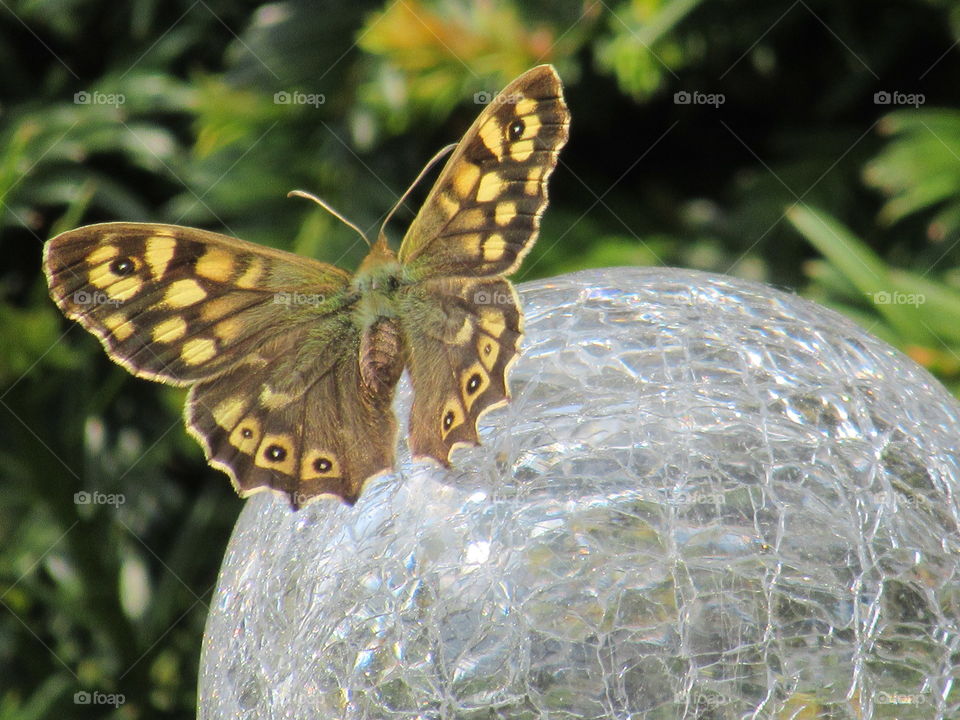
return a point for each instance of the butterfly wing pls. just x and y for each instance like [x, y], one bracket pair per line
[483, 214]
[177, 304]
[459, 357]
[462, 319]
[306, 429]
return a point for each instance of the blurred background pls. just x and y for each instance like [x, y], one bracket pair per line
[810, 144]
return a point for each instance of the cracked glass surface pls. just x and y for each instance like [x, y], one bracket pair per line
[708, 499]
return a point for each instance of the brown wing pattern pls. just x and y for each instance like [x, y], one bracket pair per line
[302, 431]
[466, 332]
[483, 215]
[178, 304]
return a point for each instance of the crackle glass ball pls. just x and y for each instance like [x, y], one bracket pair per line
[708, 499]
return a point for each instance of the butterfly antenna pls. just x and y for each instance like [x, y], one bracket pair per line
[426, 168]
[329, 209]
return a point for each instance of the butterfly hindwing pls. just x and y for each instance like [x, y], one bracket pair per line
[467, 333]
[294, 423]
[483, 214]
[177, 304]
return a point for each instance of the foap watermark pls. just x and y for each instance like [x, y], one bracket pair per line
[98, 498]
[898, 698]
[96, 697]
[295, 298]
[98, 98]
[492, 297]
[485, 97]
[284, 97]
[895, 97]
[685, 97]
[884, 297]
[90, 298]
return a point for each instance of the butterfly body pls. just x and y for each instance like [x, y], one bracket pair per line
[292, 363]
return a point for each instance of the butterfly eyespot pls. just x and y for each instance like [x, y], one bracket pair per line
[275, 453]
[515, 130]
[322, 465]
[487, 348]
[123, 267]
[448, 420]
[247, 433]
[474, 383]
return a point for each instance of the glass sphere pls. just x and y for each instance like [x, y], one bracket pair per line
[707, 499]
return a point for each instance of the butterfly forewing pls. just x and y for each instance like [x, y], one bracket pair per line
[483, 214]
[177, 304]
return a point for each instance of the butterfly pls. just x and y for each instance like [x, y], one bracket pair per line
[292, 363]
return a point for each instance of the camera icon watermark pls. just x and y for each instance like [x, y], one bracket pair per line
[89, 298]
[883, 297]
[885, 97]
[284, 97]
[85, 697]
[898, 698]
[96, 97]
[492, 297]
[485, 97]
[98, 498]
[685, 97]
[295, 298]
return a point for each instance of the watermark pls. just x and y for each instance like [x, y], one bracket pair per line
[684, 97]
[84, 697]
[692, 497]
[295, 298]
[98, 498]
[897, 298]
[885, 97]
[485, 97]
[98, 98]
[283, 97]
[97, 297]
[493, 297]
[897, 698]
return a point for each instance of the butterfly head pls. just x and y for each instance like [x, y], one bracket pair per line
[380, 270]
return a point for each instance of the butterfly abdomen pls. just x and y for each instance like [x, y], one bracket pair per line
[382, 358]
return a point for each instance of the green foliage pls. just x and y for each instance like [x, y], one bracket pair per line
[175, 112]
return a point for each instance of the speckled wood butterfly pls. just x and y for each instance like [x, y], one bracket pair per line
[293, 362]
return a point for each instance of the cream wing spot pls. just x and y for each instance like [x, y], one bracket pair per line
[184, 293]
[251, 277]
[491, 135]
[102, 254]
[466, 179]
[494, 247]
[521, 150]
[158, 254]
[534, 181]
[198, 350]
[228, 330]
[488, 350]
[490, 188]
[273, 400]
[532, 129]
[319, 463]
[246, 435]
[451, 417]
[276, 452]
[219, 307]
[124, 289]
[228, 412]
[505, 213]
[492, 322]
[216, 264]
[473, 381]
[527, 106]
[169, 330]
[118, 325]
